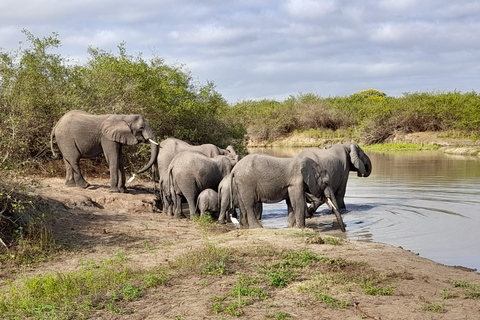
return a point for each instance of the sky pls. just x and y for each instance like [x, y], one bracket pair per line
[272, 49]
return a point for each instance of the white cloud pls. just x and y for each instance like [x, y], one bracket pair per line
[310, 9]
[270, 48]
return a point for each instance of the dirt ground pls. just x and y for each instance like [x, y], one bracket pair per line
[95, 224]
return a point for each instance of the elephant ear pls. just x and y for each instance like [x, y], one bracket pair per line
[118, 130]
[355, 152]
[310, 175]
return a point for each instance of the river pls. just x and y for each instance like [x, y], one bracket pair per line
[424, 201]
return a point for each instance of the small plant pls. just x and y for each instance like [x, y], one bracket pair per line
[242, 294]
[446, 294]
[331, 301]
[372, 290]
[433, 307]
[207, 260]
[471, 290]
[279, 315]
[205, 223]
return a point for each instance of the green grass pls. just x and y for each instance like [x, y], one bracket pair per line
[433, 307]
[209, 259]
[401, 146]
[279, 315]
[471, 290]
[97, 285]
[372, 290]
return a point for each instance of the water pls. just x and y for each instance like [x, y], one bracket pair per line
[424, 201]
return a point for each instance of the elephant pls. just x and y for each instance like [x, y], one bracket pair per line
[169, 148]
[229, 201]
[208, 201]
[80, 134]
[338, 159]
[263, 178]
[191, 172]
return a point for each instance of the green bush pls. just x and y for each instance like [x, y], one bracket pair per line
[371, 115]
[37, 86]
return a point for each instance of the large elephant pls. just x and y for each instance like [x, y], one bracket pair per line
[80, 134]
[263, 178]
[169, 148]
[338, 159]
[190, 173]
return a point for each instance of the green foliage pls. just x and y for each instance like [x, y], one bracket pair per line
[22, 225]
[37, 86]
[471, 289]
[279, 315]
[97, 285]
[433, 307]
[209, 259]
[368, 116]
[372, 290]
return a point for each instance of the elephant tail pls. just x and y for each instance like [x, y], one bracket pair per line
[52, 136]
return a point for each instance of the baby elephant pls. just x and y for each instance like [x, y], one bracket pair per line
[208, 201]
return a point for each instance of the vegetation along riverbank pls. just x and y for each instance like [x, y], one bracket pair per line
[69, 253]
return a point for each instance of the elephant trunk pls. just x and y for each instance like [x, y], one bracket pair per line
[368, 167]
[153, 156]
[332, 202]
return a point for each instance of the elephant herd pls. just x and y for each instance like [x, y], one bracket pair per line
[209, 178]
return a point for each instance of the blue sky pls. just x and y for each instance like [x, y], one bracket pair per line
[271, 49]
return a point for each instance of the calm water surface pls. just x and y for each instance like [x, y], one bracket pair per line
[424, 201]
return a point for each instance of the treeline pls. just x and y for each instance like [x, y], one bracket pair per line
[37, 86]
[368, 116]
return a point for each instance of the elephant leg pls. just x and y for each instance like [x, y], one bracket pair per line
[291, 214]
[298, 207]
[69, 180]
[176, 207]
[73, 165]
[258, 210]
[112, 153]
[252, 221]
[121, 173]
[191, 200]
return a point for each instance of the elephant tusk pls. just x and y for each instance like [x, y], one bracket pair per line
[330, 203]
[131, 179]
[152, 141]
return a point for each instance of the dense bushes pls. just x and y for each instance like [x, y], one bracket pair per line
[38, 86]
[370, 115]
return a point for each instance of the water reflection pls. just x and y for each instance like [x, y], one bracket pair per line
[426, 202]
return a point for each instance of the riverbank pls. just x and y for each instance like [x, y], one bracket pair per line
[211, 271]
[418, 140]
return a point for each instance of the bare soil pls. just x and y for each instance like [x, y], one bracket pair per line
[95, 224]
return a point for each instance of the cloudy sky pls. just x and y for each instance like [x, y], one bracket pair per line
[256, 49]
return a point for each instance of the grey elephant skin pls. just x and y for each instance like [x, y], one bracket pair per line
[339, 160]
[207, 201]
[169, 148]
[263, 178]
[190, 173]
[80, 134]
[228, 201]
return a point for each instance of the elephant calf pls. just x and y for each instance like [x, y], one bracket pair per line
[208, 201]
